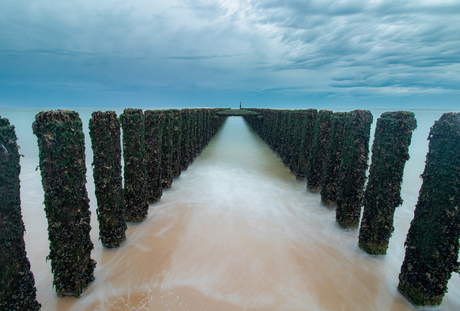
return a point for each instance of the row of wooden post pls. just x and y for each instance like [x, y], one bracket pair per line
[432, 243]
[331, 153]
[157, 146]
[329, 150]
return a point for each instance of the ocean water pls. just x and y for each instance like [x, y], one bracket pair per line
[236, 231]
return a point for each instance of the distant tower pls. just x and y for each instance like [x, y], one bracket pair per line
[240, 105]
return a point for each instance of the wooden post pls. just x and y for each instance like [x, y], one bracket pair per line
[390, 151]
[153, 141]
[185, 141]
[330, 186]
[135, 174]
[432, 244]
[166, 151]
[62, 165]
[104, 130]
[318, 150]
[17, 290]
[308, 124]
[353, 168]
[176, 142]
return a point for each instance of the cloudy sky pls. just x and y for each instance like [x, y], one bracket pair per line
[216, 53]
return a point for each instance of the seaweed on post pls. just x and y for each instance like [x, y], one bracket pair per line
[176, 142]
[104, 130]
[390, 151]
[319, 150]
[193, 135]
[62, 165]
[200, 132]
[306, 140]
[296, 139]
[153, 142]
[353, 168]
[285, 151]
[17, 290]
[330, 187]
[185, 141]
[432, 244]
[135, 173]
[166, 150]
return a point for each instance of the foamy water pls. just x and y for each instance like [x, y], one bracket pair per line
[236, 231]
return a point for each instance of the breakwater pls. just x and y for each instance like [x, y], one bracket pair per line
[361, 274]
[337, 165]
[174, 138]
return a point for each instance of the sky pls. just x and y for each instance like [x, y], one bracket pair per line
[265, 53]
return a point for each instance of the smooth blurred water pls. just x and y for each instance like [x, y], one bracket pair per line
[236, 231]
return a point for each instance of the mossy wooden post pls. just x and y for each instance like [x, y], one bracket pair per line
[62, 166]
[308, 124]
[265, 124]
[319, 150]
[273, 129]
[17, 284]
[104, 130]
[185, 141]
[287, 144]
[285, 135]
[296, 139]
[166, 151]
[390, 151]
[201, 127]
[207, 123]
[432, 244]
[193, 135]
[176, 142]
[353, 168]
[199, 131]
[330, 187]
[135, 173]
[279, 131]
[153, 143]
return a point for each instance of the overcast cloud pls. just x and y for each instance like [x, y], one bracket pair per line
[215, 53]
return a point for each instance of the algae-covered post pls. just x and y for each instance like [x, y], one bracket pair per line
[295, 143]
[284, 151]
[153, 138]
[390, 151]
[104, 130]
[269, 119]
[193, 135]
[166, 150]
[432, 244]
[288, 137]
[176, 142]
[17, 290]
[319, 150]
[330, 187]
[135, 174]
[185, 141]
[353, 168]
[62, 165]
[279, 133]
[308, 124]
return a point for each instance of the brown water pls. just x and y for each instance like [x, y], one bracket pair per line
[235, 232]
